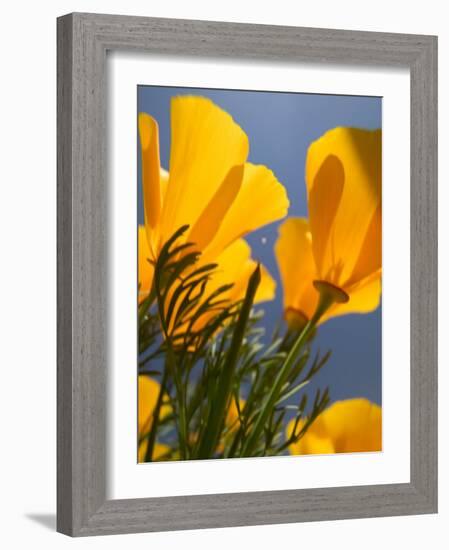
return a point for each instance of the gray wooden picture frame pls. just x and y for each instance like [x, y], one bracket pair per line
[83, 40]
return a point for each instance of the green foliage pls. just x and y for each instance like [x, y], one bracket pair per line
[210, 357]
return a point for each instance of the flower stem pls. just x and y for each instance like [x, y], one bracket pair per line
[214, 424]
[183, 429]
[155, 421]
[172, 367]
[326, 299]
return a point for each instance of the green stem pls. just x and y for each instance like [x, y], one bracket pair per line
[183, 430]
[174, 369]
[155, 421]
[211, 434]
[325, 301]
[235, 443]
[171, 365]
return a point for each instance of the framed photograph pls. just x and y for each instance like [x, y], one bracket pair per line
[247, 274]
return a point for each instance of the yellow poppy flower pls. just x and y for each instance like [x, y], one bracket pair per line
[210, 187]
[234, 265]
[350, 426]
[148, 391]
[341, 244]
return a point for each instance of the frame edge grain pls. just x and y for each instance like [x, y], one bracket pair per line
[64, 274]
[423, 272]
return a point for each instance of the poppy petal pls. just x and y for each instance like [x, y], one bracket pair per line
[355, 158]
[205, 144]
[296, 264]
[261, 200]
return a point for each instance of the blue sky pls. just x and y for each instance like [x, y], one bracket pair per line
[280, 127]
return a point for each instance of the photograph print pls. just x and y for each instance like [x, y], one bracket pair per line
[258, 299]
